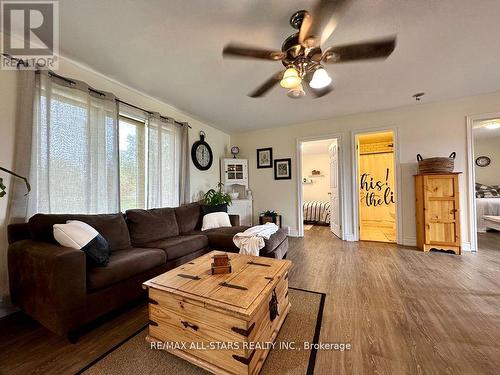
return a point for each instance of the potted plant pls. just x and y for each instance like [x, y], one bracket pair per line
[216, 200]
[270, 216]
[3, 187]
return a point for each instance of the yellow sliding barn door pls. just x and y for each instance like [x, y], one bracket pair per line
[377, 198]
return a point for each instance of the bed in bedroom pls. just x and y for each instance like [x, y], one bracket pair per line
[317, 212]
[487, 204]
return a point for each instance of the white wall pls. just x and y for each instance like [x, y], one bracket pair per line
[320, 187]
[434, 129]
[489, 147]
[7, 121]
[200, 180]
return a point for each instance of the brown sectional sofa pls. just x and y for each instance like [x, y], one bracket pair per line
[54, 284]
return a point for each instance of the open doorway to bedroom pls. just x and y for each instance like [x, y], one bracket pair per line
[486, 159]
[320, 192]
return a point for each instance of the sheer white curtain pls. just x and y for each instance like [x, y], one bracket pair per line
[163, 161]
[74, 163]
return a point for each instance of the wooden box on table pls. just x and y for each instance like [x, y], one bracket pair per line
[220, 322]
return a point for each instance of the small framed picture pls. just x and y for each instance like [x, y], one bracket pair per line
[283, 169]
[265, 157]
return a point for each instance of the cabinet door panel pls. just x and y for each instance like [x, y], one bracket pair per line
[441, 233]
[439, 186]
[441, 210]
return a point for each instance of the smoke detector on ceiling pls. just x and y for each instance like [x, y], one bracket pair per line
[418, 96]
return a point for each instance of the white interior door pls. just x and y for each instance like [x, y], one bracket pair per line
[333, 152]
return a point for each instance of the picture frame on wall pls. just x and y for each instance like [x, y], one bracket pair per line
[283, 169]
[265, 157]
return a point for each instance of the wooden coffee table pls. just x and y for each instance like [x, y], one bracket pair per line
[222, 323]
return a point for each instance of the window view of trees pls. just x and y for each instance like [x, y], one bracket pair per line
[132, 164]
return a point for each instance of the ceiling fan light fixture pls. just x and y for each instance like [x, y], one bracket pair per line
[320, 79]
[290, 78]
[297, 92]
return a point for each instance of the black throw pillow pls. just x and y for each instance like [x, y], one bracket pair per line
[79, 235]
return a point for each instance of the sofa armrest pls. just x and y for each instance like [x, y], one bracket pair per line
[235, 220]
[18, 232]
[48, 282]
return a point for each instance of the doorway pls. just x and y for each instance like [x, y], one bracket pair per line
[484, 178]
[376, 186]
[319, 167]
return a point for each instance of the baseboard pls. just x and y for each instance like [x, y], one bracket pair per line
[293, 232]
[6, 307]
[409, 241]
[465, 246]
[349, 237]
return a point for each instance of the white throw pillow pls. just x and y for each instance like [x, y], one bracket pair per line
[215, 220]
[79, 235]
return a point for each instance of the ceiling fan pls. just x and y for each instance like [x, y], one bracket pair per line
[302, 56]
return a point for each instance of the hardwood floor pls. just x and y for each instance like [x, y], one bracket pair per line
[403, 312]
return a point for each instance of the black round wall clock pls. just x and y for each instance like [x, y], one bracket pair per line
[201, 154]
[483, 161]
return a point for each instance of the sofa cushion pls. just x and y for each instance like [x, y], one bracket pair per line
[274, 241]
[123, 265]
[188, 217]
[176, 247]
[151, 225]
[222, 238]
[111, 226]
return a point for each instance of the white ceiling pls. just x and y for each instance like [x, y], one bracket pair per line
[172, 50]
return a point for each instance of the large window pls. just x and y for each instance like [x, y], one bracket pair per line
[132, 134]
[92, 155]
[149, 162]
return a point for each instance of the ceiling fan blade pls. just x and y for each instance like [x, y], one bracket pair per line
[238, 50]
[378, 49]
[317, 93]
[319, 24]
[268, 85]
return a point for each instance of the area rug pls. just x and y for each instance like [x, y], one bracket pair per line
[308, 226]
[303, 324]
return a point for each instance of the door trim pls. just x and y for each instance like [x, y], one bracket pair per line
[397, 176]
[471, 176]
[342, 187]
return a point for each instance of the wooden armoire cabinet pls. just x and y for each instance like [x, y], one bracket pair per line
[438, 211]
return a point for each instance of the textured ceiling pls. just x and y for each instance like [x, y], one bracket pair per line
[172, 50]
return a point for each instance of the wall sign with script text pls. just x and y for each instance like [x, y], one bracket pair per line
[374, 192]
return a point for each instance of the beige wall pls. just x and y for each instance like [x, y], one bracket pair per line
[489, 147]
[434, 129]
[200, 181]
[320, 187]
[7, 120]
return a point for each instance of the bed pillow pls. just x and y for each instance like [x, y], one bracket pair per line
[487, 191]
[215, 220]
[81, 236]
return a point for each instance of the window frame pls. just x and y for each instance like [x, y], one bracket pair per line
[141, 195]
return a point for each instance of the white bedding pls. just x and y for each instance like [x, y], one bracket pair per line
[486, 206]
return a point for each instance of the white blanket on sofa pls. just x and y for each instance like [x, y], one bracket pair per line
[252, 240]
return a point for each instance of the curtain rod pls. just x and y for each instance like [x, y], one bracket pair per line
[118, 100]
[98, 92]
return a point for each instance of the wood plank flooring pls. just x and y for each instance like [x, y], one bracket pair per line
[403, 312]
